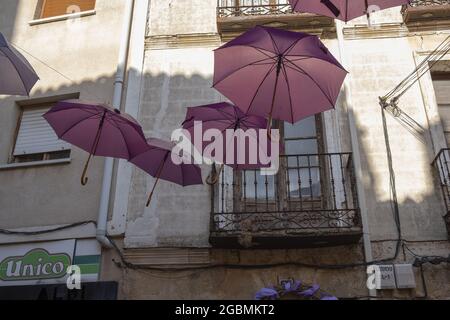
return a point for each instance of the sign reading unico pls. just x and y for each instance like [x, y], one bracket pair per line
[35, 264]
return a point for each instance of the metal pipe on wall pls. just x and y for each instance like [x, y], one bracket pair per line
[117, 99]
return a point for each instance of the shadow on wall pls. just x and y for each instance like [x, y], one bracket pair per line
[164, 102]
[420, 201]
[49, 195]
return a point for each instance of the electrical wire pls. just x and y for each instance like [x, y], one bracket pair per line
[30, 233]
[422, 68]
[44, 63]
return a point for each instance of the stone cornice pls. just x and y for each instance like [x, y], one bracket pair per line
[392, 30]
[193, 40]
[168, 257]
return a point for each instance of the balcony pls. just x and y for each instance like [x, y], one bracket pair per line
[426, 11]
[311, 202]
[442, 165]
[237, 16]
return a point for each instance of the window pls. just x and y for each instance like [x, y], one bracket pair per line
[36, 140]
[53, 8]
[298, 181]
[441, 83]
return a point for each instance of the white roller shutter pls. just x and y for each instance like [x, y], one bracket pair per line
[35, 134]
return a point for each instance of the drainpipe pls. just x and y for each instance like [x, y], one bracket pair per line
[356, 154]
[117, 99]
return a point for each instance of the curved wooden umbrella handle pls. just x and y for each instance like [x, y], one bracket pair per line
[213, 178]
[84, 178]
[269, 128]
[150, 196]
[158, 174]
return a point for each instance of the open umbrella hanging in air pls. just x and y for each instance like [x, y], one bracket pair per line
[226, 117]
[278, 74]
[344, 10]
[17, 76]
[97, 129]
[156, 160]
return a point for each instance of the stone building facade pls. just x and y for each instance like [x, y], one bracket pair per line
[321, 221]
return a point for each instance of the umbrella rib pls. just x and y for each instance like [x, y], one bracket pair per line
[301, 58]
[346, 10]
[77, 123]
[289, 91]
[259, 87]
[123, 138]
[318, 58]
[84, 109]
[273, 41]
[312, 79]
[263, 52]
[223, 113]
[292, 46]
[17, 70]
[128, 123]
[252, 124]
[237, 70]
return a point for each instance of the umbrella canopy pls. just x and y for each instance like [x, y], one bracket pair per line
[156, 160]
[17, 76]
[344, 10]
[225, 117]
[278, 74]
[97, 129]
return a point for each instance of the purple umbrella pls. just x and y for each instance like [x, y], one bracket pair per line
[97, 129]
[225, 117]
[17, 76]
[344, 10]
[278, 74]
[157, 162]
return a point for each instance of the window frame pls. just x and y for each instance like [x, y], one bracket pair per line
[39, 12]
[46, 156]
[280, 199]
[439, 76]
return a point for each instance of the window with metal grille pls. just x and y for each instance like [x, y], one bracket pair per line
[53, 8]
[441, 83]
[301, 162]
[36, 140]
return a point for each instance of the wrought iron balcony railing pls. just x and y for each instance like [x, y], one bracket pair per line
[226, 9]
[419, 3]
[236, 16]
[312, 199]
[426, 10]
[442, 165]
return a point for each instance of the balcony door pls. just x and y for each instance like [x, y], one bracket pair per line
[297, 185]
[441, 83]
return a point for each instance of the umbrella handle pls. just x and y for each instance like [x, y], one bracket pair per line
[213, 178]
[269, 128]
[84, 178]
[150, 196]
[158, 174]
[269, 120]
